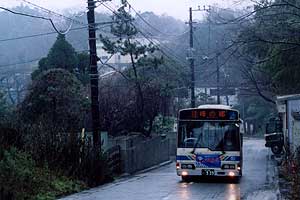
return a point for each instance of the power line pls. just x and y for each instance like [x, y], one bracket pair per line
[54, 13]
[38, 35]
[150, 25]
[63, 16]
[37, 17]
[159, 45]
[172, 55]
[33, 60]
[176, 60]
[51, 33]
[21, 63]
[146, 37]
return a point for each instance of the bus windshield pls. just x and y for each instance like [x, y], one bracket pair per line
[216, 136]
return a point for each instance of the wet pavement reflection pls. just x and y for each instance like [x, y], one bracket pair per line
[258, 182]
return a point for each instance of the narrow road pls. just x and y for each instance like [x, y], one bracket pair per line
[258, 182]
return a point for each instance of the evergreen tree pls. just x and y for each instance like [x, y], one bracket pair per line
[61, 55]
[141, 57]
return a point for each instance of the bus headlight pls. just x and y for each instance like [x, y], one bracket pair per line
[177, 166]
[231, 174]
[184, 173]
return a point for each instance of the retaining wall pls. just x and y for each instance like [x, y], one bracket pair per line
[145, 154]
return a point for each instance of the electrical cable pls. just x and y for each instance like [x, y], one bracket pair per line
[38, 35]
[37, 17]
[146, 37]
[61, 15]
[150, 25]
[51, 33]
[54, 13]
[33, 60]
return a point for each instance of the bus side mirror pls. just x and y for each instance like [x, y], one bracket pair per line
[241, 121]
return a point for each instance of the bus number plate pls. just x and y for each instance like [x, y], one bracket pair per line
[208, 172]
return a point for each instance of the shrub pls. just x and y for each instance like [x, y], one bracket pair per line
[17, 175]
[20, 178]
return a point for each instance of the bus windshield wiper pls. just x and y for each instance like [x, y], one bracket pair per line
[223, 148]
[195, 145]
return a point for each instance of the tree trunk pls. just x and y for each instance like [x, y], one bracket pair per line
[140, 96]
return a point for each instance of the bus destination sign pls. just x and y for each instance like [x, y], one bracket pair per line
[208, 114]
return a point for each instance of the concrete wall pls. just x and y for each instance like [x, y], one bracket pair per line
[173, 143]
[145, 154]
[126, 142]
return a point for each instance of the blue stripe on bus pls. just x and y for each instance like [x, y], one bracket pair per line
[183, 158]
[232, 158]
[227, 158]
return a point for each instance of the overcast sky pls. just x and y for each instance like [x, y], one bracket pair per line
[175, 8]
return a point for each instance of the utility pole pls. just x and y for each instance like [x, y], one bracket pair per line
[192, 56]
[226, 88]
[94, 77]
[192, 60]
[218, 80]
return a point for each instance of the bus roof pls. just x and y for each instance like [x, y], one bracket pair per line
[215, 106]
[211, 106]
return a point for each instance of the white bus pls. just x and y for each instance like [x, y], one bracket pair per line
[209, 142]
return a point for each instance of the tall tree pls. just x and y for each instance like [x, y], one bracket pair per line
[141, 56]
[273, 45]
[53, 110]
[61, 55]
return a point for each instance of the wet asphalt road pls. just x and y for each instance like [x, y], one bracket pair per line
[258, 182]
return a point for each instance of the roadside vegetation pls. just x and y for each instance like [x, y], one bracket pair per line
[22, 178]
[39, 149]
[46, 150]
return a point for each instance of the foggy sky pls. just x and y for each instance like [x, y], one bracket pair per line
[175, 8]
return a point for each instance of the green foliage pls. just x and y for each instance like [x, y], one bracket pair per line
[20, 178]
[256, 111]
[63, 56]
[5, 110]
[52, 115]
[55, 95]
[17, 175]
[272, 39]
[83, 68]
[163, 124]
[143, 61]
